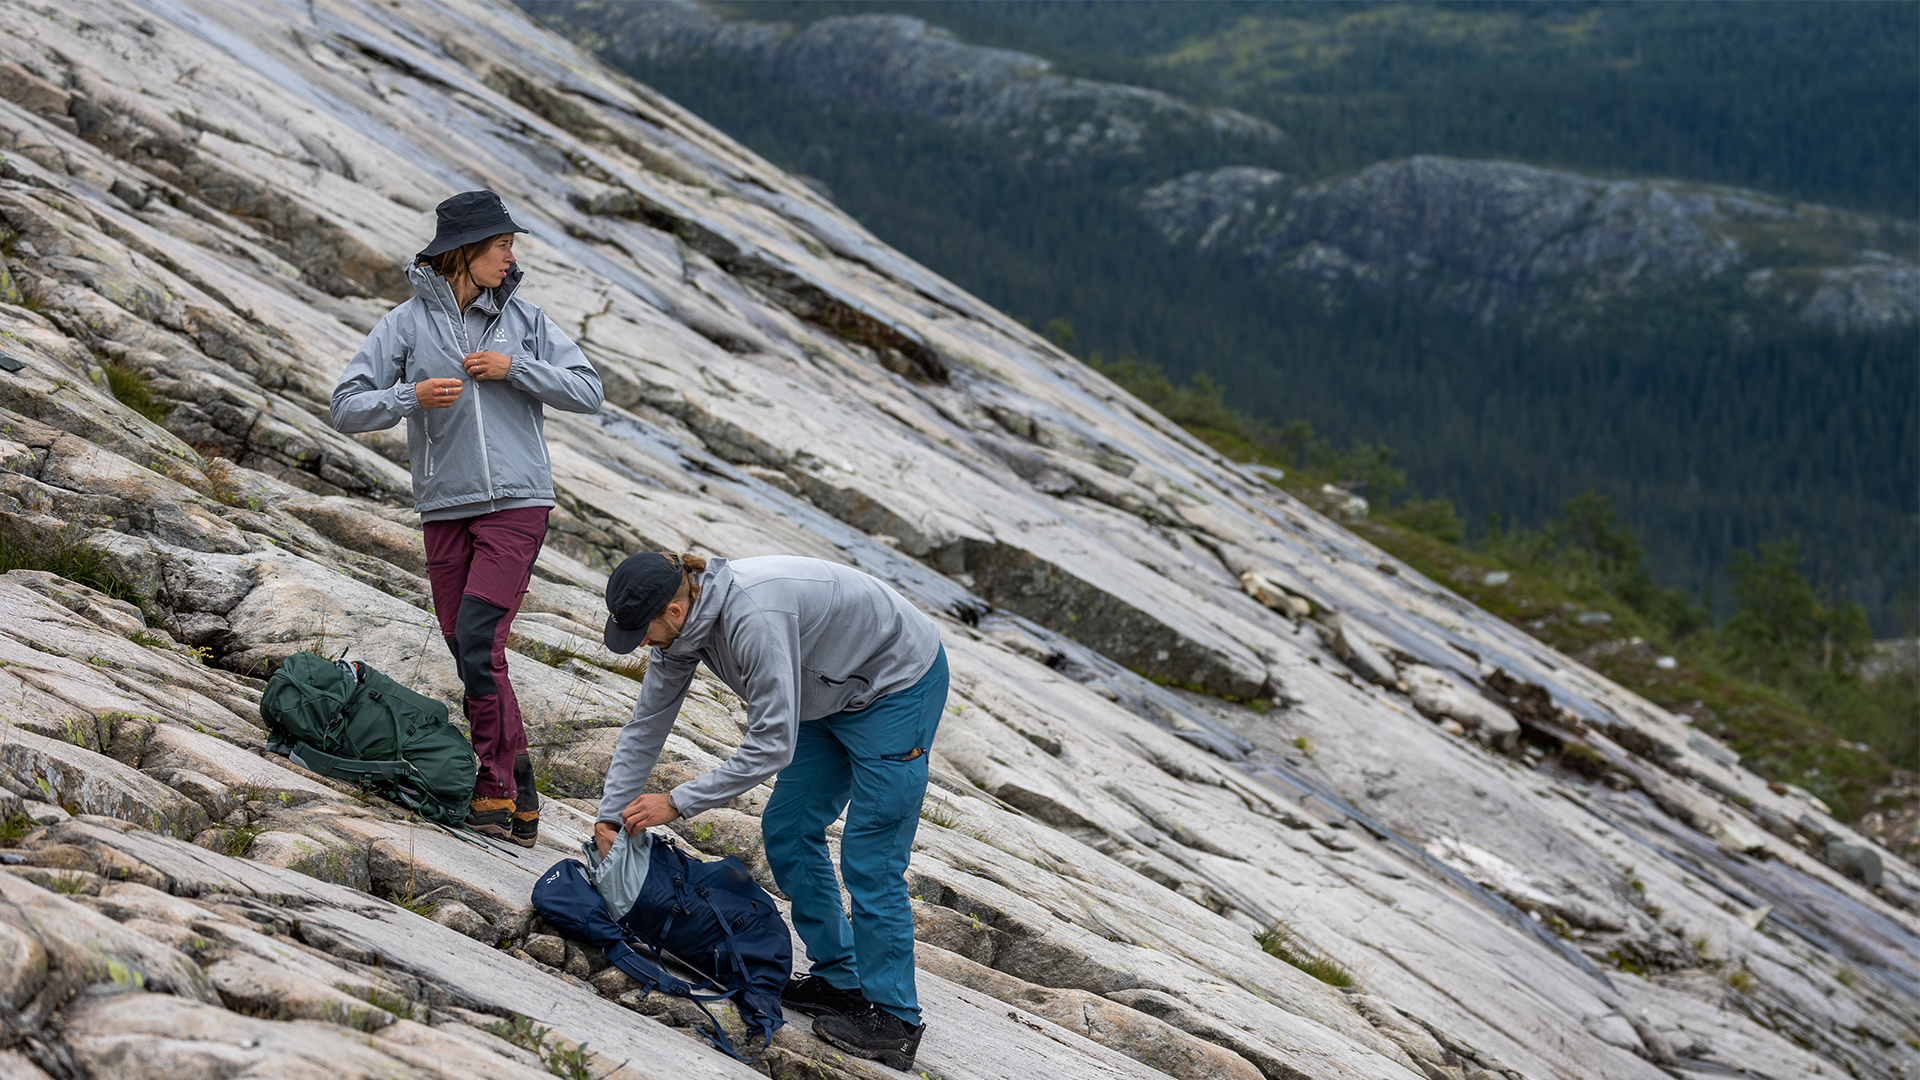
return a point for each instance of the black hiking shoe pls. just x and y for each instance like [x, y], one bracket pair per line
[873, 1033]
[526, 804]
[491, 817]
[815, 996]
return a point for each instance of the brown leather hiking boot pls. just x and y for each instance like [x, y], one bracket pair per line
[526, 804]
[490, 817]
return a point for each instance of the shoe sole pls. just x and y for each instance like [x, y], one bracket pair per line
[890, 1059]
[525, 841]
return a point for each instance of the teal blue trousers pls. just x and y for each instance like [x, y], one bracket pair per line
[873, 765]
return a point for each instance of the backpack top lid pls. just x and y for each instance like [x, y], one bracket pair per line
[565, 897]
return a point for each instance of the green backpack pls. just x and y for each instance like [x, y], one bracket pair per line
[345, 720]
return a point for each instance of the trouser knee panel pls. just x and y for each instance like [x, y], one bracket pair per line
[474, 630]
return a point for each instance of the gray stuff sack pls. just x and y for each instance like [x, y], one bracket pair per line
[620, 875]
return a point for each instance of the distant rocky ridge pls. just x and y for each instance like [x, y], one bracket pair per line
[1483, 238]
[1189, 712]
[900, 64]
[1490, 238]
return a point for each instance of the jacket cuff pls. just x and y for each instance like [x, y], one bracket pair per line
[405, 397]
[516, 367]
[679, 799]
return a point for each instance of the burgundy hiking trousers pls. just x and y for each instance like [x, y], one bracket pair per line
[479, 568]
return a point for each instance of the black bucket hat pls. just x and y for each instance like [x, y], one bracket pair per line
[638, 590]
[467, 217]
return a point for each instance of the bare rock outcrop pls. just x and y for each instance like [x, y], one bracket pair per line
[1490, 238]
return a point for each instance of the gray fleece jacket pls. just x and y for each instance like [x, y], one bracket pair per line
[798, 639]
[488, 451]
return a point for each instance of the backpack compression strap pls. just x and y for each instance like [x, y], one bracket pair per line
[340, 768]
[654, 978]
[762, 1022]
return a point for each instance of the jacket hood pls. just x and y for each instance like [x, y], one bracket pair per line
[436, 292]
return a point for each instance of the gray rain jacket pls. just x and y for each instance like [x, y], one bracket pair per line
[798, 639]
[488, 450]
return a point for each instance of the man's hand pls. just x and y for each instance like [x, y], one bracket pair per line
[487, 365]
[436, 393]
[604, 833]
[647, 811]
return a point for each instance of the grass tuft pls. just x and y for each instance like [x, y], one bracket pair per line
[238, 842]
[16, 825]
[1279, 940]
[939, 815]
[422, 908]
[65, 558]
[135, 391]
[68, 882]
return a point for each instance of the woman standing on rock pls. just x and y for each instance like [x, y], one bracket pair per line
[468, 365]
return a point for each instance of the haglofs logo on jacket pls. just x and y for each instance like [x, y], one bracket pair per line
[500, 334]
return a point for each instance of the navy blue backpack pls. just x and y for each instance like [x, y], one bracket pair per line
[712, 916]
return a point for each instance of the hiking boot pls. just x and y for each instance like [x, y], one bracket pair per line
[875, 1034]
[815, 996]
[491, 817]
[526, 804]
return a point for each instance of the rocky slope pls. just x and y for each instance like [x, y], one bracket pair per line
[1488, 238]
[1187, 709]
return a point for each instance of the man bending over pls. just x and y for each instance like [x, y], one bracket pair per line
[844, 683]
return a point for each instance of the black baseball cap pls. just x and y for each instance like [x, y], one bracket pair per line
[467, 217]
[639, 589]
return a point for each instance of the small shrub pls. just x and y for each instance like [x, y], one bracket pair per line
[398, 1004]
[1741, 980]
[521, 1031]
[1279, 940]
[1303, 744]
[1582, 760]
[1434, 517]
[572, 1064]
[939, 815]
[222, 487]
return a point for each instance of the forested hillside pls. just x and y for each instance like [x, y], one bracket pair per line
[1714, 420]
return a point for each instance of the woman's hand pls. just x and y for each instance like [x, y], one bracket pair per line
[647, 811]
[436, 393]
[487, 365]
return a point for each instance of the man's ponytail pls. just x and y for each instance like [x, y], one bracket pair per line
[692, 566]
